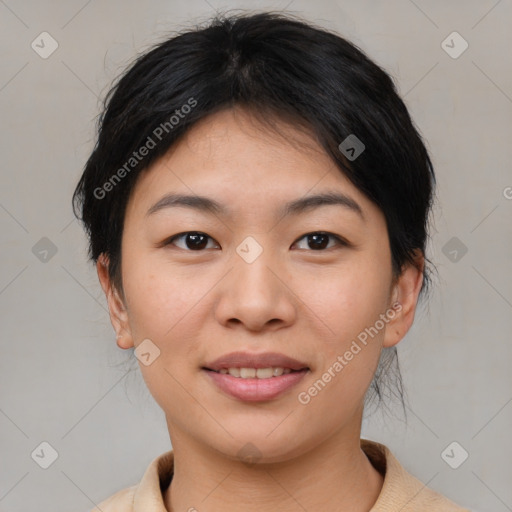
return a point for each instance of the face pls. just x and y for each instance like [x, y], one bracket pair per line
[306, 282]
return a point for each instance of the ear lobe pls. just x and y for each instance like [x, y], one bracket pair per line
[405, 296]
[117, 309]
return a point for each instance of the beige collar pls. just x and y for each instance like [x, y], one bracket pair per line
[400, 491]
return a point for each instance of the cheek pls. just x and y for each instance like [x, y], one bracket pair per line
[161, 308]
[347, 300]
[349, 348]
[348, 304]
[159, 297]
[167, 306]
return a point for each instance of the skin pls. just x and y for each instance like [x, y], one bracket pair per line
[197, 305]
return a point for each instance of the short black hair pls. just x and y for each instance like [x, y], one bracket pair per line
[278, 67]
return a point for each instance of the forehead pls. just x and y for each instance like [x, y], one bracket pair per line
[244, 164]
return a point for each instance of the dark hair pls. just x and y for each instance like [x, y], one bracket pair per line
[280, 68]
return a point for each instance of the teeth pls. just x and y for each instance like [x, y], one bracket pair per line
[247, 373]
[251, 373]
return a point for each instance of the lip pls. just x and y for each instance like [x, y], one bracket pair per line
[255, 390]
[248, 360]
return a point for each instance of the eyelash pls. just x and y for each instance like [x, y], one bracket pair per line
[340, 241]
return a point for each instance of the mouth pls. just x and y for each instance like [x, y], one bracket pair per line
[253, 377]
[243, 364]
[256, 373]
[255, 384]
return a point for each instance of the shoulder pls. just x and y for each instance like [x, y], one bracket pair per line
[401, 490]
[121, 501]
[145, 495]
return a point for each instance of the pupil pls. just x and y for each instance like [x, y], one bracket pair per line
[198, 241]
[195, 238]
[314, 240]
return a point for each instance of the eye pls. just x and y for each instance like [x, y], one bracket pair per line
[319, 240]
[193, 240]
[197, 241]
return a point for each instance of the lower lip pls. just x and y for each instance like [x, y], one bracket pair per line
[256, 390]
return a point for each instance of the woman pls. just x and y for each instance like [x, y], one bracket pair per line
[257, 208]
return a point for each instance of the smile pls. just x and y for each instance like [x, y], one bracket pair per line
[258, 373]
[247, 385]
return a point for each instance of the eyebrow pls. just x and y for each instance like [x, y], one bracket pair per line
[295, 207]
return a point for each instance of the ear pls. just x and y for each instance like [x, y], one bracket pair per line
[404, 296]
[116, 306]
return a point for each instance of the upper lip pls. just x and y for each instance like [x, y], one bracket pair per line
[248, 360]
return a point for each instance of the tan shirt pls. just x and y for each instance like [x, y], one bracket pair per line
[400, 492]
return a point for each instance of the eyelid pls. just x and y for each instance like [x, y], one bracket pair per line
[170, 240]
[340, 241]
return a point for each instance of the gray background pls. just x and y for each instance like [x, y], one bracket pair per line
[62, 378]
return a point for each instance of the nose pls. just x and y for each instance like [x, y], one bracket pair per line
[257, 295]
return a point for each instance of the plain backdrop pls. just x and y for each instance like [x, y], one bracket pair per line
[63, 380]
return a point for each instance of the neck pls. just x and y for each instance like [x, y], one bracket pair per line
[333, 476]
